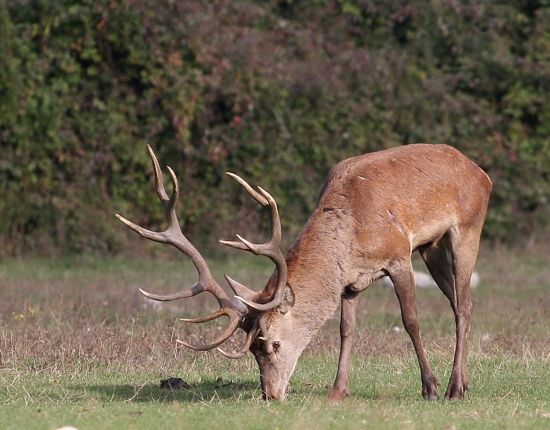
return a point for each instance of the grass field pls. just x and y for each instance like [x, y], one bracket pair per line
[80, 346]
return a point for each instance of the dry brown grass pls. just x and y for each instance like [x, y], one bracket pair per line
[80, 346]
[82, 313]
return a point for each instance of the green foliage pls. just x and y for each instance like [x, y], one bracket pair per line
[277, 91]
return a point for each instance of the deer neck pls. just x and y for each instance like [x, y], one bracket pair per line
[319, 269]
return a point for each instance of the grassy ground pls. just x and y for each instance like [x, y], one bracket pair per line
[79, 346]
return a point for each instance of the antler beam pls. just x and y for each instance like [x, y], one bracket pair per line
[234, 311]
[270, 249]
[174, 236]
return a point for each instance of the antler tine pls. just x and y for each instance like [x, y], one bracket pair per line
[229, 330]
[250, 337]
[270, 249]
[258, 197]
[235, 319]
[175, 237]
[240, 289]
[159, 184]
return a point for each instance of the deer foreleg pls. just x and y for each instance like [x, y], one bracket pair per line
[340, 389]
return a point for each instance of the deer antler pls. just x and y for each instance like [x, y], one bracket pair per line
[174, 236]
[250, 337]
[270, 249]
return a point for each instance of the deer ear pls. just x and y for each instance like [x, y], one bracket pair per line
[287, 302]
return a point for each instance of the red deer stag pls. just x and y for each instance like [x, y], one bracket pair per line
[373, 212]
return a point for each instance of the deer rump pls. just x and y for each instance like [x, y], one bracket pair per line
[373, 212]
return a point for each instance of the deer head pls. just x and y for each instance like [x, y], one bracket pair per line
[373, 212]
[248, 310]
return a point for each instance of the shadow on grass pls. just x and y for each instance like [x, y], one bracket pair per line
[206, 391]
[151, 392]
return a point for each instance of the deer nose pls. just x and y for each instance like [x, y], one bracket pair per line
[273, 396]
[274, 393]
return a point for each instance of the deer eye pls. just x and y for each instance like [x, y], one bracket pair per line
[276, 346]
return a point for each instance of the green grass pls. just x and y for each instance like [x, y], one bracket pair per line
[508, 393]
[79, 346]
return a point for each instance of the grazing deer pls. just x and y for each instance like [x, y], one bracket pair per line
[373, 212]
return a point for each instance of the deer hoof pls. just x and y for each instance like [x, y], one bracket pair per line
[338, 395]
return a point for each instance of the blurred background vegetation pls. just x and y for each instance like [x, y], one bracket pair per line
[277, 91]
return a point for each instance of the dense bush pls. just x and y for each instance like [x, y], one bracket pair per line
[277, 91]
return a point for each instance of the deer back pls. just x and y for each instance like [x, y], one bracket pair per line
[381, 206]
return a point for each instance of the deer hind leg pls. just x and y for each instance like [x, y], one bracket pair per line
[340, 389]
[451, 262]
[403, 280]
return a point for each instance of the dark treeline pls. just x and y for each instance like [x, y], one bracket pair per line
[276, 91]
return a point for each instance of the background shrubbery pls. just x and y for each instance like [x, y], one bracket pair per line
[277, 91]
